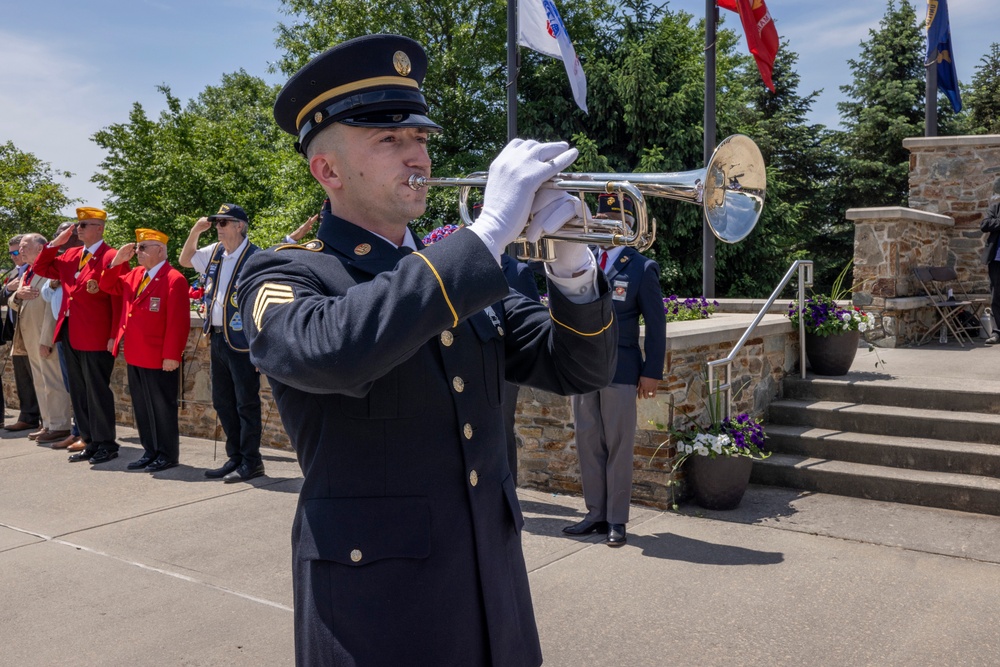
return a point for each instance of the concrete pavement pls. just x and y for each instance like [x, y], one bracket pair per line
[108, 567]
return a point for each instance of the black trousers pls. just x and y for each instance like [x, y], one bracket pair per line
[27, 400]
[91, 395]
[994, 270]
[236, 399]
[154, 402]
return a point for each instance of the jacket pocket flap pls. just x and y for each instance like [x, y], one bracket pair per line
[359, 531]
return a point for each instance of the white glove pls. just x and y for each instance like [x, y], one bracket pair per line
[550, 211]
[514, 178]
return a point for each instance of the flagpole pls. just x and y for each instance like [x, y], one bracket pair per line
[930, 99]
[511, 70]
[707, 237]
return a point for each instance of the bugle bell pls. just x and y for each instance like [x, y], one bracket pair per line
[730, 189]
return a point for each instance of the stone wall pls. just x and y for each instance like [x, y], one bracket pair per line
[547, 455]
[955, 176]
[547, 452]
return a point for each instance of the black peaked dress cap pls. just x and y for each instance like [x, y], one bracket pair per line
[370, 81]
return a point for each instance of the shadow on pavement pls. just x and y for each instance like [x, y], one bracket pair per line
[689, 550]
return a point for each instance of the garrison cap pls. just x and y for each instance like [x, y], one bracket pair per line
[143, 234]
[370, 81]
[91, 213]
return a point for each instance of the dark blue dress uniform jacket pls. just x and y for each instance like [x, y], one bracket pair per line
[638, 278]
[388, 377]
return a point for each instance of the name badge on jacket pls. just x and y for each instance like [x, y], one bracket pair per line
[619, 289]
[154, 304]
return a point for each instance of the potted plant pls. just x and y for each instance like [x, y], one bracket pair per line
[718, 457]
[832, 332]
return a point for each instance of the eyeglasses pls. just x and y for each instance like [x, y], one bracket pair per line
[15, 253]
[222, 222]
[83, 225]
[144, 247]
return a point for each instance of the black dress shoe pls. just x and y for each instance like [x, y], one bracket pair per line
[616, 535]
[226, 468]
[244, 473]
[586, 527]
[141, 463]
[160, 464]
[85, 455]
[103, 456]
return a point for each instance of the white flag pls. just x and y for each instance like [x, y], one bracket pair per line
[541, 29]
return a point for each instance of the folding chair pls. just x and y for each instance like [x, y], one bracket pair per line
[946, 277]
[947, 309]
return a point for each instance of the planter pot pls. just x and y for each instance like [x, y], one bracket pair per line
[719, 483]
[832, 355]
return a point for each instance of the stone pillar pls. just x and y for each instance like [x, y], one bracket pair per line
[955, 176]
[889, 243]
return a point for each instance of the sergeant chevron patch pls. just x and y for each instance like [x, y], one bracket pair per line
[270, 294]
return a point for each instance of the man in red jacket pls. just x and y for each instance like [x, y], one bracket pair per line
[155, 322]
[86, 326]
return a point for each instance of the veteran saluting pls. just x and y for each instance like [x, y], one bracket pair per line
[86, 327]
[155, 322]
[387, 361]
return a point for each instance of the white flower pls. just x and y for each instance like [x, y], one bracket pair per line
[717, 447]
[702, 451]
[725, 440]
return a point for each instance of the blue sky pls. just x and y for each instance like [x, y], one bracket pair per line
[70, 68]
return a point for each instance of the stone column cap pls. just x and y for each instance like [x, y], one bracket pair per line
[944, 142]
[898, 213]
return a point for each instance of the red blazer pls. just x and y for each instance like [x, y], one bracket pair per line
[155, 324]
[95, 313]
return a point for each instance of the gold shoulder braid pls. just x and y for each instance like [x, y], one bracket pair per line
[315, 246]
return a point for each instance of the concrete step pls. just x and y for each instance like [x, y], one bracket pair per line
[969, 493]
[932, 393]
[970, 458]
[887, 420]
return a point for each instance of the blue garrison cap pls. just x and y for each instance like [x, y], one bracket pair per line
[370, 81]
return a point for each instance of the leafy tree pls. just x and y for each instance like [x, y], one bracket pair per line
[983, 99]
[223, 147]
[30, 197]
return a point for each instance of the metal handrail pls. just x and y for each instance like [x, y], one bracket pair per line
[804, 269]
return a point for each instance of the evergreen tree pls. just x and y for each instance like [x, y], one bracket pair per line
[983, 99]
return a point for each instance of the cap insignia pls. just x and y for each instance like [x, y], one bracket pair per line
[223, 209]
[362, 249]
[318, 117]
[401, 62]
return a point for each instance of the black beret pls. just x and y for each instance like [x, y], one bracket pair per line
[370, 81]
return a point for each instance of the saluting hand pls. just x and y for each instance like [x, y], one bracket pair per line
[304, 228]
[124, 254]
[202, 225]
[63, 238]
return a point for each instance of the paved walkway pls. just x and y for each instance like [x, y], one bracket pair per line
[106, 567]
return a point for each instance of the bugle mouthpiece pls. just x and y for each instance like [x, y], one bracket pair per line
[416, 182]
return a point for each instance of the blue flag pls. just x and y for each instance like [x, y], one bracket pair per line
[939, 50]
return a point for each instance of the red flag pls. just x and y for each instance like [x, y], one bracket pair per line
[762, 37]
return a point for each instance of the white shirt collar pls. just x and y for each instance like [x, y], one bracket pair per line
[93, 249]
[152, 272]
[239, 249]
[408, 241]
